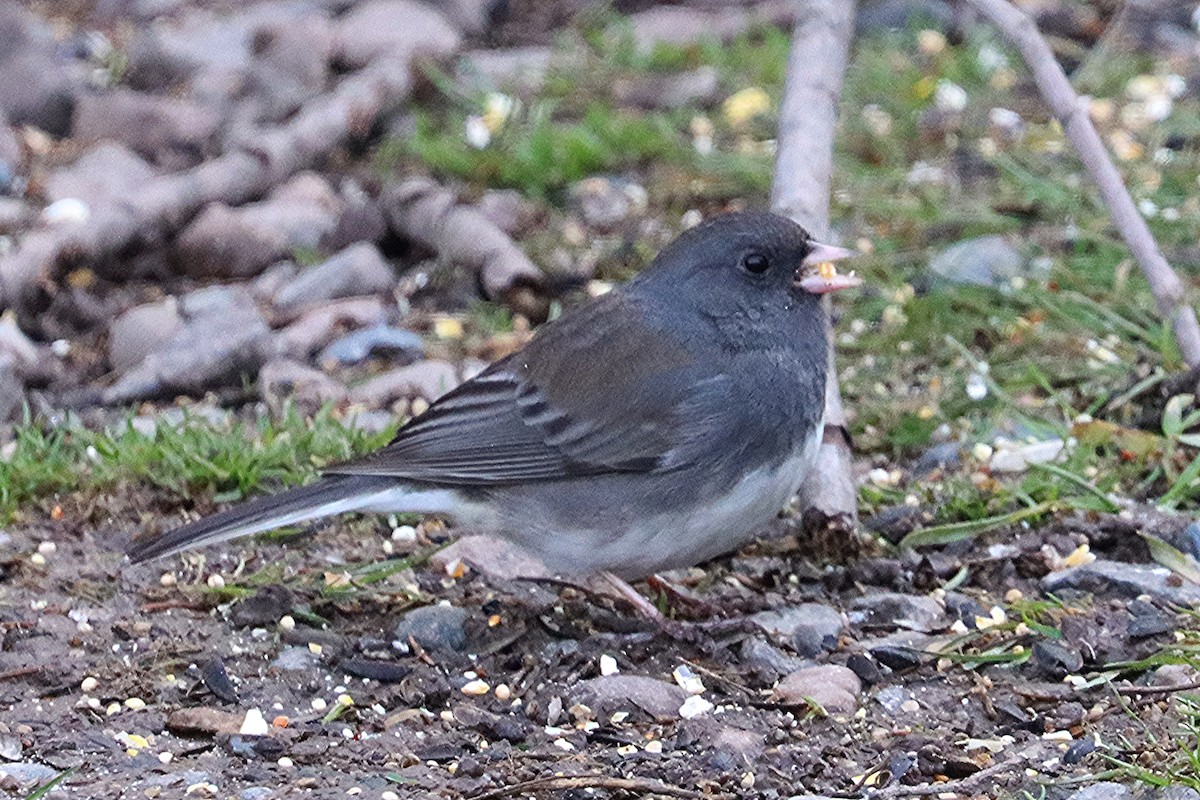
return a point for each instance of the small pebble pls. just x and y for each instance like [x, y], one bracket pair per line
[503, 692]
[475, 688]
[404, 533]
[165, 757]
[255, 724]
[89, 685]
[608, 665]
[135, 703]
[319, 704]
[47, 548]
[287, 623]
[694, 706]
[167, 579]
[37, 559]
[285, 762]
[215, 581]
[654, 746]
[389, 796]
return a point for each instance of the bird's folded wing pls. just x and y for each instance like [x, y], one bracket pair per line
[572, 403]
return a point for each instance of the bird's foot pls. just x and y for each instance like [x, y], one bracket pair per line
[702, 633]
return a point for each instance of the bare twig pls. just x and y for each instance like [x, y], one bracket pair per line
[800, 190]
[1133, 691]
[1072, 112]
[642, 787]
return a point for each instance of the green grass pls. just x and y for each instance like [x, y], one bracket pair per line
[197, 456]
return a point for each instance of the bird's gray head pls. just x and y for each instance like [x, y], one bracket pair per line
[747, 261]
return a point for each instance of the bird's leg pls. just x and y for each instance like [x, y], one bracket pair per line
[681, 596]
[680, 630]
[639, 603]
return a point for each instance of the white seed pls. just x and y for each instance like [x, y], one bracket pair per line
[47, 548]
[475, 688]
[215, 581]
[287, 623]
[89, 685]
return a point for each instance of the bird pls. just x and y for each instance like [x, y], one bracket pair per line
[654, 427]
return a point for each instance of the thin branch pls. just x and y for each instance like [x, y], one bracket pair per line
[1072, 112]
[800, 190]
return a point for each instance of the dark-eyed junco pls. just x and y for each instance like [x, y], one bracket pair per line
[655, 427]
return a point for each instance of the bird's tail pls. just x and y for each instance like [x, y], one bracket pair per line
[335, 494]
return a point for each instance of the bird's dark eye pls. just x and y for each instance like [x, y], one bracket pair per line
[756, 263]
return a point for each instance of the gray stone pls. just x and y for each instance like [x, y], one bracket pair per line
[426, 379]
[208, 351]
[166, 129]
[604, 202]
[319, 326]
[257, 793]
[107, 173]
[834, 687]
[224, 242]
[984, 261]
[892, 698]
[27, 772]
[397, 29]
[812, 628]
[360, 269]
[490, 555]
[1125, 580]
[435, 627]
[12, 390]
[10, 146]
[896, 610]
[508, 210]
[470, 16]
[37, 87]
[295, 659]
[137, 332]
[378, 340]
[282, 381]
[1105, 790]
[15, 215]
[946, 455]
[609, 694]
[16, 345]
[218, 299]
[763, 656]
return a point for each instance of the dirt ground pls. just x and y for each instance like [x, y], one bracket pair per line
[138, 679]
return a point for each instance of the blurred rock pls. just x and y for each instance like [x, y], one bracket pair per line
[683, 25]
[15, 215]
[107, 173]
[427, 379]
[984, 261]
[217, 299]
[946, 455]
[222, 346]
[895, 610]
[361, 220]
[876, 16]
[604, 202]
[12, 389]
[508, 210]
[290, 64]
[319, 326]
[834, 687]
[137, 332]
[27, 772]
[224, 242]
[516, 69]
[490, 555]
[36, 86]
[694, 88]
[768, 660]
[1125, 580]
[10, 145]
[379, 340]
[631, 693]
[470, 16]
[272, 279]
[436, 627]
[169, 130]
[16, 345]
[282, 382]
[1105, 790]
[811, 628]
[399, 29]
[360, 269]
[1055, 660]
